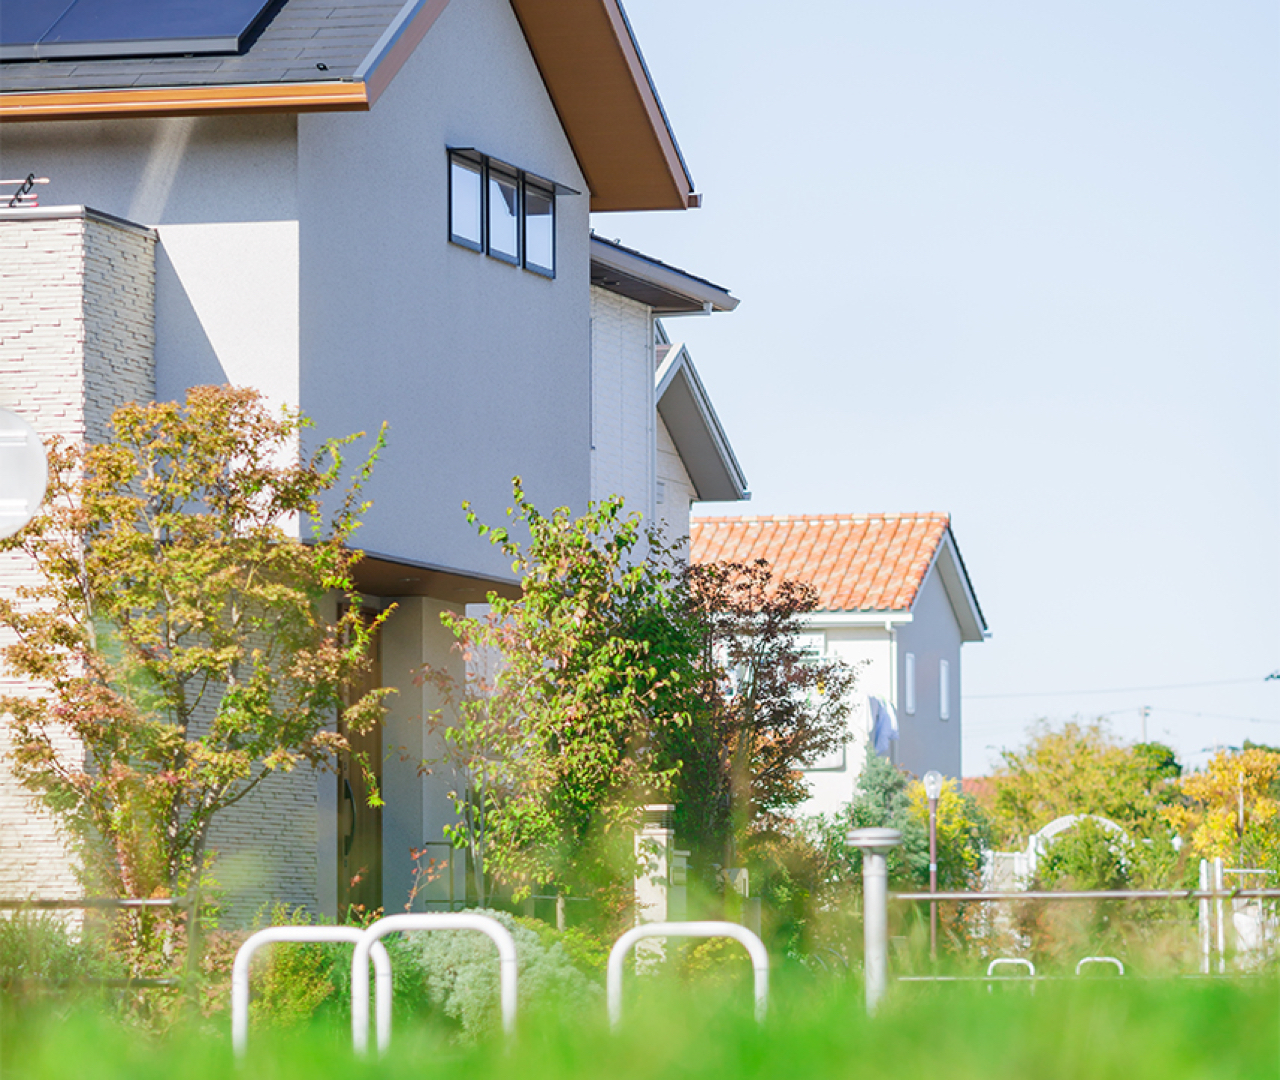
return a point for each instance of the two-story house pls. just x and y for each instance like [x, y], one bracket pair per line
[896, 603]
[374, 212]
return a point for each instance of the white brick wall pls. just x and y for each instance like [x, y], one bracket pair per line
[622, 404]
[76, 340]
[677, 489]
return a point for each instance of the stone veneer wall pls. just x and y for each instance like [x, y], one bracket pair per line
[77, 339]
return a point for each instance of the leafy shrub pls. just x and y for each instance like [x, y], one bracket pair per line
[459, 972]
[40, 947]
[293, 980]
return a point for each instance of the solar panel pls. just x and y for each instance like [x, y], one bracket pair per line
[84, 29]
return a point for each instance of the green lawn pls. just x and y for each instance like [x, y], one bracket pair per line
[1097, 1028]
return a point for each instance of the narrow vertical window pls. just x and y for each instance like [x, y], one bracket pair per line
[465, 197]
[504, 215]
[944, 690]
[539, 229]
[909, 678]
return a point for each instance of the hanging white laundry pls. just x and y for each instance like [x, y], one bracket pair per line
[884, 725]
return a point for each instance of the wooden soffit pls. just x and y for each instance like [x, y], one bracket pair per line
[597, 80]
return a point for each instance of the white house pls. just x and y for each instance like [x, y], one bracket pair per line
[895, 601]
[655, 436]
[375, 212]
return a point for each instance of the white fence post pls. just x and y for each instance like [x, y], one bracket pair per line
[496, 932]
[1219, 887]
[875, 844]
[302, 935]
[754, 946]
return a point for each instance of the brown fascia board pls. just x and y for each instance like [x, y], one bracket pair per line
[584, 51]
[184, 101]
[606, 103]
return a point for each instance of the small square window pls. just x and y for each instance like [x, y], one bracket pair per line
[465, 197]
[944, 690]
[539, 229]
[909, 679]
[504, 216]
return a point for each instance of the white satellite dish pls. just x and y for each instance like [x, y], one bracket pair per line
[24, 473]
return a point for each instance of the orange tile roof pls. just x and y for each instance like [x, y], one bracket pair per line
[857, 562]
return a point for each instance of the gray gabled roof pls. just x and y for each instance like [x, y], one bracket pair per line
[686, 410]
[293, 41]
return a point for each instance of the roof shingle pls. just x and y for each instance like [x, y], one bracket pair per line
[857, 562]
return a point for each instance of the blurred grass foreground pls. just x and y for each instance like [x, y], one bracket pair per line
[1100, 1027]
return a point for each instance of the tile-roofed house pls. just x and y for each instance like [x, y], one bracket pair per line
[320, 212]
[857, 562]
[895, 600]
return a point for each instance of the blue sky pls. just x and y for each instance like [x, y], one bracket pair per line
[1019, 262]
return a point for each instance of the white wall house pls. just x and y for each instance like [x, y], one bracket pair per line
[376, 212]
[655, 436]
[895, 602]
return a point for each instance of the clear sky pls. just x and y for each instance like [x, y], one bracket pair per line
[1019, 262]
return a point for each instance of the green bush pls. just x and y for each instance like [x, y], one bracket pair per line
[42, 948]
[459, 972]
[293, 980]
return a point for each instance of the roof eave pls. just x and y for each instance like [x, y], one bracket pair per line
[184, 101]
[607, 103]
[959, 589]
[688, 294]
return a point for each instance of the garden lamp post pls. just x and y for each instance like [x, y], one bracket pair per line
[933, 789]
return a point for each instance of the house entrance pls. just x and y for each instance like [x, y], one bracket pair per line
[359, 824]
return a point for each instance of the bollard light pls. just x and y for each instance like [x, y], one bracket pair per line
[875, 844]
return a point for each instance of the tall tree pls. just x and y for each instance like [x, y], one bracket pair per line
[176, 630]
[762, 708]
[552, 729]
[1232, 808]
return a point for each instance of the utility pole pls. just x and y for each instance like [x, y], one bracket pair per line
[1146, 711]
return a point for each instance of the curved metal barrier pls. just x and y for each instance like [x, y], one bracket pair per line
[1016, 961]
[425, 921]
[754, 946]
[303, 935]
[1100, 960]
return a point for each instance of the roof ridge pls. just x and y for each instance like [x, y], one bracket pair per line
[875, 515]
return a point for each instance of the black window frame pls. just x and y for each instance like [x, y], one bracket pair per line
[547, 191]
[476, 162]
[496, 172]
[524, 183]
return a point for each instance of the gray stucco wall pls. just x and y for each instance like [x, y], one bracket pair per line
[221, 192]
[925, 740]
[480, 368]
[309, 256]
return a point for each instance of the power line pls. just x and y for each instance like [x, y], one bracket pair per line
[981, 725]
[1116, 690]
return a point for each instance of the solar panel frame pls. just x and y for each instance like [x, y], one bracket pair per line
[95, 29]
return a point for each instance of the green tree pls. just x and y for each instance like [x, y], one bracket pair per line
[555, 742]
[761, 708]
[177, 631]
[1231, 808]
[1081, 769]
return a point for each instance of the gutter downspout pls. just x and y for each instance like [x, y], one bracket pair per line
[893, 686]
